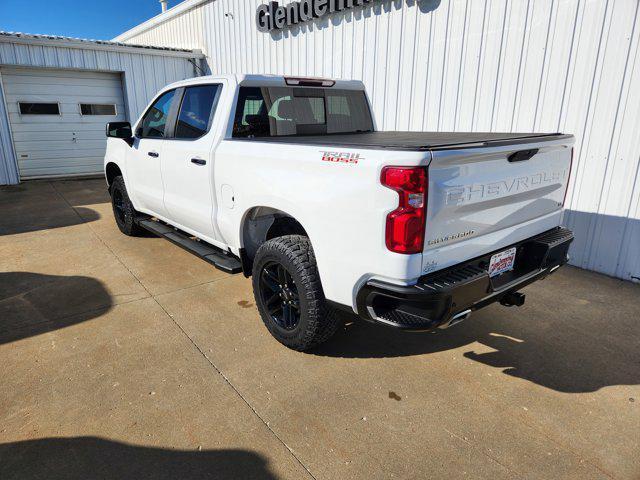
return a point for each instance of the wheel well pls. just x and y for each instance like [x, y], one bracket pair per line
[262, 224]
[285, 225]
[112, 171]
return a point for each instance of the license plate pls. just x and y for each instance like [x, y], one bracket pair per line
[502, 262]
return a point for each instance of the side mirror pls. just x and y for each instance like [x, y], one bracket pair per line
[120, 130]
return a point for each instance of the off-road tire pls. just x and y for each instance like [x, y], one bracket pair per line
[123, 210]
[318, 321]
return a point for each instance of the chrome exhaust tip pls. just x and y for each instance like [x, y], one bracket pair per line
[457, 318]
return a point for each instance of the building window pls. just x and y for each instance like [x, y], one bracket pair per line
[97, 109]
[27, 108]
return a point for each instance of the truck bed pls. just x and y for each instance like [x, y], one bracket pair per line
[416, 141]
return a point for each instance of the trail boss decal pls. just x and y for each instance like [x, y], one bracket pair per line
[341, 157]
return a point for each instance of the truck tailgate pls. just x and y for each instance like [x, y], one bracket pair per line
[483, 198]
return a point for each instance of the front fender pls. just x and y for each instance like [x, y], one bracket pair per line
[116, 154]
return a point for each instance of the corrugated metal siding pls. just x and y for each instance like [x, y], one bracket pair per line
[185, 30]
[8, 167]
[144, 74]
[497, 65]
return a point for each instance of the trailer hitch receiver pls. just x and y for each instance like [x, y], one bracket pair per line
[513, 299]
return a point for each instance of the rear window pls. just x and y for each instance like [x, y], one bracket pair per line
[282, 111]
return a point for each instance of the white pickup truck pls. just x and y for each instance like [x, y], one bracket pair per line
[287, 180]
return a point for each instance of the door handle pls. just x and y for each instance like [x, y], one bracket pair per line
[522, 155]
[198, 161]
[153, 154]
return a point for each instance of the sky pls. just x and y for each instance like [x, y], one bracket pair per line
[93, 19]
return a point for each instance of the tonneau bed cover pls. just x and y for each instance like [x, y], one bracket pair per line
[417, 141]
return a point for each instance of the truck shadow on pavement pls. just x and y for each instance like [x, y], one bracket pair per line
[82, 458]
[46, 219]
[32, 303]
[566, 353]
[37, 205]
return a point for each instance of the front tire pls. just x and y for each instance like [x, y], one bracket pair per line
[288, 293]
[123, 210]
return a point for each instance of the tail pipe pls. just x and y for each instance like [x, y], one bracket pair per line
[457, 318]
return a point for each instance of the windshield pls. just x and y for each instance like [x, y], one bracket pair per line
[281, 111]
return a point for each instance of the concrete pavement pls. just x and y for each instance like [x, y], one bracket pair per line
[129, 358]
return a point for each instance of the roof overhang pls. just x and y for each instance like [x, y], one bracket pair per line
[67, 42]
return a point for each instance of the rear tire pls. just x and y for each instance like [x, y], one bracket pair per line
[123, 210]
[289, 295]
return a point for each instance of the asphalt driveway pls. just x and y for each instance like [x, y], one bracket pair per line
[129, 358]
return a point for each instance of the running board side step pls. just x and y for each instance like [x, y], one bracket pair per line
[215, 256]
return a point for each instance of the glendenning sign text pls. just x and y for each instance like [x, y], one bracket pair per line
[274, 17]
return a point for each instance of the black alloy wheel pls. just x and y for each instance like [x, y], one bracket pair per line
[123, 210]
[280, 295]
[289, 295]
[119, 207]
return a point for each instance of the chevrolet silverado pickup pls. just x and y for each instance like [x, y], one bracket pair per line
[288, 181]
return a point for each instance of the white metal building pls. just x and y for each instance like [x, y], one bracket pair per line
[481, 65]
[435, 65]
[57, 94]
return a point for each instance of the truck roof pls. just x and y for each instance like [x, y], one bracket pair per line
[255, 80]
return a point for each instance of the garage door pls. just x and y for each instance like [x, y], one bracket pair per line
[58, 118]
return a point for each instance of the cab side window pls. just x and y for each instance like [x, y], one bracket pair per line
[196, 111]
[154, 122]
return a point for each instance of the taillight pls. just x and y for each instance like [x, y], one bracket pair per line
[568, 178]
[406, 224]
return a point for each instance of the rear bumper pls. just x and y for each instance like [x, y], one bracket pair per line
[438, 298]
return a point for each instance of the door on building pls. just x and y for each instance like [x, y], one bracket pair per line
[58, 118]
